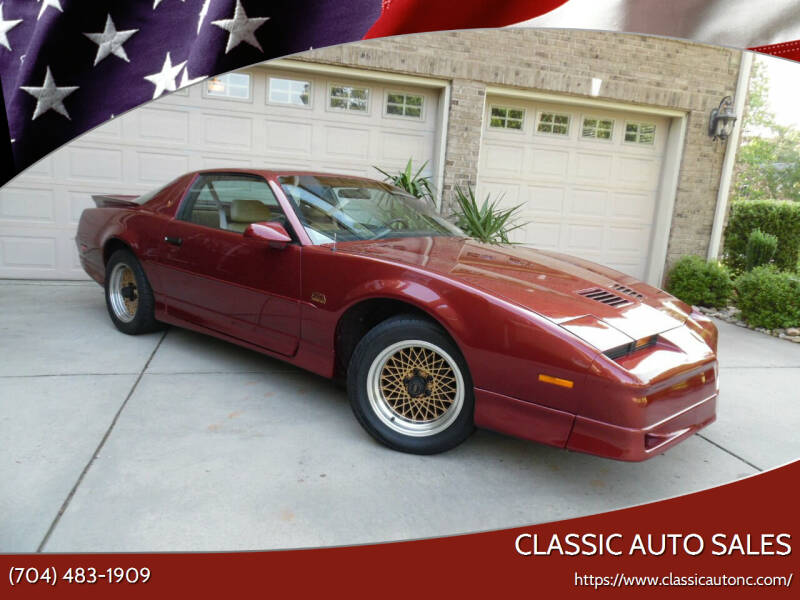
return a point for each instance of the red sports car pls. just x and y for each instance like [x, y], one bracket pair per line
[433, 332]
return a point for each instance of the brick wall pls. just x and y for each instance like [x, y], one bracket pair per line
[645, 70]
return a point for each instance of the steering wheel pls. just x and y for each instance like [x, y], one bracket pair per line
[337, 217]
[387, 229]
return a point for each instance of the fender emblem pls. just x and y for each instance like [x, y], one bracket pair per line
[318, 297]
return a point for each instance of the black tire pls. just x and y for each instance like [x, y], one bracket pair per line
[378, 349]
[142, 319]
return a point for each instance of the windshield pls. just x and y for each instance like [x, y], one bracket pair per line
[358, 209]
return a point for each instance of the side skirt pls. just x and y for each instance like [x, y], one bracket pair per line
[303, 358]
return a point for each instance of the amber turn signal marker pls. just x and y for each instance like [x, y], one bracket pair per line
[555, 380]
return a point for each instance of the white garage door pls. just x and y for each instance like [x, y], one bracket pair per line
[257, 118]
[587, 179]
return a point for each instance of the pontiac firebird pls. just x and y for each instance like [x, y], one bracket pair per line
[433, 332]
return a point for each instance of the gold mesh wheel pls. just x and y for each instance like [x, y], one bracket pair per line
[131, 298]
[415, 388]
[123, 293]
[418, 384]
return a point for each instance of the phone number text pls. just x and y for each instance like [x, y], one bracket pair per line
[77, 575]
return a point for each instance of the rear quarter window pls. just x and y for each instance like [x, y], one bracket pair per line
[146, 197]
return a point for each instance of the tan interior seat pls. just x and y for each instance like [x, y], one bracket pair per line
[244, 212]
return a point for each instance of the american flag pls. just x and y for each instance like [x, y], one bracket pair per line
[67, 66]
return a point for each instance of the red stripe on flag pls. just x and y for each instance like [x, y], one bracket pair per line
[790, 50]
[413, 16]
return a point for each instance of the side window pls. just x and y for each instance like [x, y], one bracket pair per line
[231, 202]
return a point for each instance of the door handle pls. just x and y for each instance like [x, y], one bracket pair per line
[175, 241]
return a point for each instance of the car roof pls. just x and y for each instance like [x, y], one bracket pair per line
[272, 173]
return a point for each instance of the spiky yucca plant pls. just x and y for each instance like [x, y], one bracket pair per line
[416, 184]
[485, 222]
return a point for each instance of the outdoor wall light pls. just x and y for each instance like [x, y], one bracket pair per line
[722, 120]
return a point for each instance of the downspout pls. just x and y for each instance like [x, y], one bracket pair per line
[730, 156]
[441, 156]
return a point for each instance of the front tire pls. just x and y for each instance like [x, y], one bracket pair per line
[129, 297]
[410, 388]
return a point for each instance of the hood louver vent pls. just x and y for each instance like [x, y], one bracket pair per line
[628, 291]
[605, 296]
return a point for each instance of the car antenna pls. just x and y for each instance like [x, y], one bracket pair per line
[334, 242]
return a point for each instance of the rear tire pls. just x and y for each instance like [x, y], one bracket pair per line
[410, 388]
[129, 297]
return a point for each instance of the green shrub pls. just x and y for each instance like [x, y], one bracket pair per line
[769, 298]
[416, 184]
[760, 249]
[781, 219]
[486, 222]
[700, 283]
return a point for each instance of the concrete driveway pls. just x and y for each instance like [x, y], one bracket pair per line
[177, 441]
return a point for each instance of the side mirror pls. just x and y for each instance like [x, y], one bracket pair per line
[272, 233]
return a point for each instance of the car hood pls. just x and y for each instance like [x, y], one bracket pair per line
[556, 286]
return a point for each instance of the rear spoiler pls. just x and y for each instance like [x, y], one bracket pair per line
[114, 200]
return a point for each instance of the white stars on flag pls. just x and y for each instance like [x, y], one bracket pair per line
[5, 27]
[110, 41]
[49, 96]
[157, 2]
[48, 3]
[186, 80]
[241, 28]
[145, 50]
[164, 80]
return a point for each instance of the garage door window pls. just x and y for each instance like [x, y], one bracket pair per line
[598, 129]
[506, 117]
[640, 133]
[349, 98]
[401, 104]
[234, 86]
[294, 92]
[554, 123]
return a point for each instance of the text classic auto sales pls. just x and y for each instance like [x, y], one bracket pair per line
[615, 544]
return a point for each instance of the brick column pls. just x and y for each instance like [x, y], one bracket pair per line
[464, 128]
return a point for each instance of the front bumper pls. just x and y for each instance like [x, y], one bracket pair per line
[553, 427]
[623, 422]
[625, 443]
